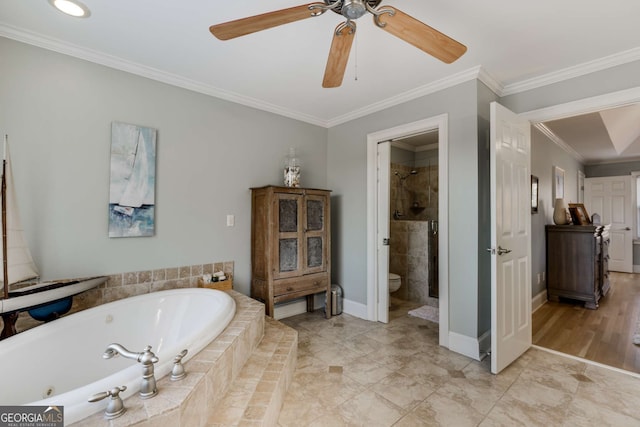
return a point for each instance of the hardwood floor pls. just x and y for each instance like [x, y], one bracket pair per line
[604, 335]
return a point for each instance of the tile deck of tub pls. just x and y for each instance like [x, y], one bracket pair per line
[240, 379]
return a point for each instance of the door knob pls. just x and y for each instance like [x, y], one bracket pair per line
[502, 251]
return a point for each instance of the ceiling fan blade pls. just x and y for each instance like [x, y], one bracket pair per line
[339, 54]
[253, 24]
[420, 35]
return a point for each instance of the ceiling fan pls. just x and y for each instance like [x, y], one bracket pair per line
[388, 18]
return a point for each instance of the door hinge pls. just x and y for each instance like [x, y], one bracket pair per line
[385, 242]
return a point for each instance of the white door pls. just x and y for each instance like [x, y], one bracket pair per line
[510, 237]
[384, 167]
[581, 178]
[610, 197]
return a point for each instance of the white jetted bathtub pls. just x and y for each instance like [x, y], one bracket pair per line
[60, 363]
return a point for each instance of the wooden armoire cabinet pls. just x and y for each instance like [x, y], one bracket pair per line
[290, 245]
[578, 263]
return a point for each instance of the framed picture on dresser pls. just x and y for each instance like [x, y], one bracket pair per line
[579, 214]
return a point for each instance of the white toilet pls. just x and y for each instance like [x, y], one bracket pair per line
[394, 282]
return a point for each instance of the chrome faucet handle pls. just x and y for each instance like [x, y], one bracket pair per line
[147, 357]
[178, 372]
[115, 407]
[148, 386]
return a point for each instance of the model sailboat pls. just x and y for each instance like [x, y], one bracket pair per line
[19, 268]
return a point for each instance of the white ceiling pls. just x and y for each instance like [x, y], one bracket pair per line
[512, 46]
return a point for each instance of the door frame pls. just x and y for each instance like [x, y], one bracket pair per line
[374, 288]
[582, 106]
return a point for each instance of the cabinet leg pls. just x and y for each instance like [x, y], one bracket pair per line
[328, 307]
[269, 308]
[591, 305]
[310, 304]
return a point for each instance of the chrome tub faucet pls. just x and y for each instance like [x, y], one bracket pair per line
[146, 358]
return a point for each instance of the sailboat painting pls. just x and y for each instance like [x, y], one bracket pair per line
[133, 178]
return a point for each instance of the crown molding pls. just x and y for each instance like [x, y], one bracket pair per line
[131, 67]
[493, 84]
[477, 72]
[589, 67]
[438, 85]
[559, 142]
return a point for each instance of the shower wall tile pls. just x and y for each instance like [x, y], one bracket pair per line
[408, 257]
[415, 197]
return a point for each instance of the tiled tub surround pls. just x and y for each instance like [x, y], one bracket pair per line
[241, 378]
[238, 379]
[123, 285]
[209, 375]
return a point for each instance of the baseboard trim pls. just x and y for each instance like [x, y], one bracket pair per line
[355, 309]
[299, 306]
[465, 345]
[539, 300]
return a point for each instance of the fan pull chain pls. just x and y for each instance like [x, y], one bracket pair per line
[356, 58]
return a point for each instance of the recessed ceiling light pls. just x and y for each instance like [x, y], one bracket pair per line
[71, 7]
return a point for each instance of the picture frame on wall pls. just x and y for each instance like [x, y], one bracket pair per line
[558, 183]
[534, 194]
[132, 180]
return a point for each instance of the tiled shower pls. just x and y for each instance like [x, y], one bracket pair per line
[414, 224]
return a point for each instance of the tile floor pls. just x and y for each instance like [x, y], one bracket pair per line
[352, 372]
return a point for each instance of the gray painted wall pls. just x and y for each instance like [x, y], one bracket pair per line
[545, 154]
[58, 111]
[611, 169]
[347, 177]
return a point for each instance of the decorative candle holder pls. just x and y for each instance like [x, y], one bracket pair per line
[292, 169]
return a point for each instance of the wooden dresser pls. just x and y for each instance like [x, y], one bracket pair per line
[577, 263]
[290, 245]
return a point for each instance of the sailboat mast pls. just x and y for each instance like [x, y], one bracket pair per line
[5, 265]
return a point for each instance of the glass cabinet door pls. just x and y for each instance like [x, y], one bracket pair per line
[301, 229]
[289, 231]
[314, 237]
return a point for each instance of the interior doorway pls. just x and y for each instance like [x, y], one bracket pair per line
[379, 214]
[413, 231]
[542, 319]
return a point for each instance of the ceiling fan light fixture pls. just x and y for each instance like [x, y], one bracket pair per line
[353, 9]
[71, 7]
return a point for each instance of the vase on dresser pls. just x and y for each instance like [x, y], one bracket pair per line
[560, 212]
